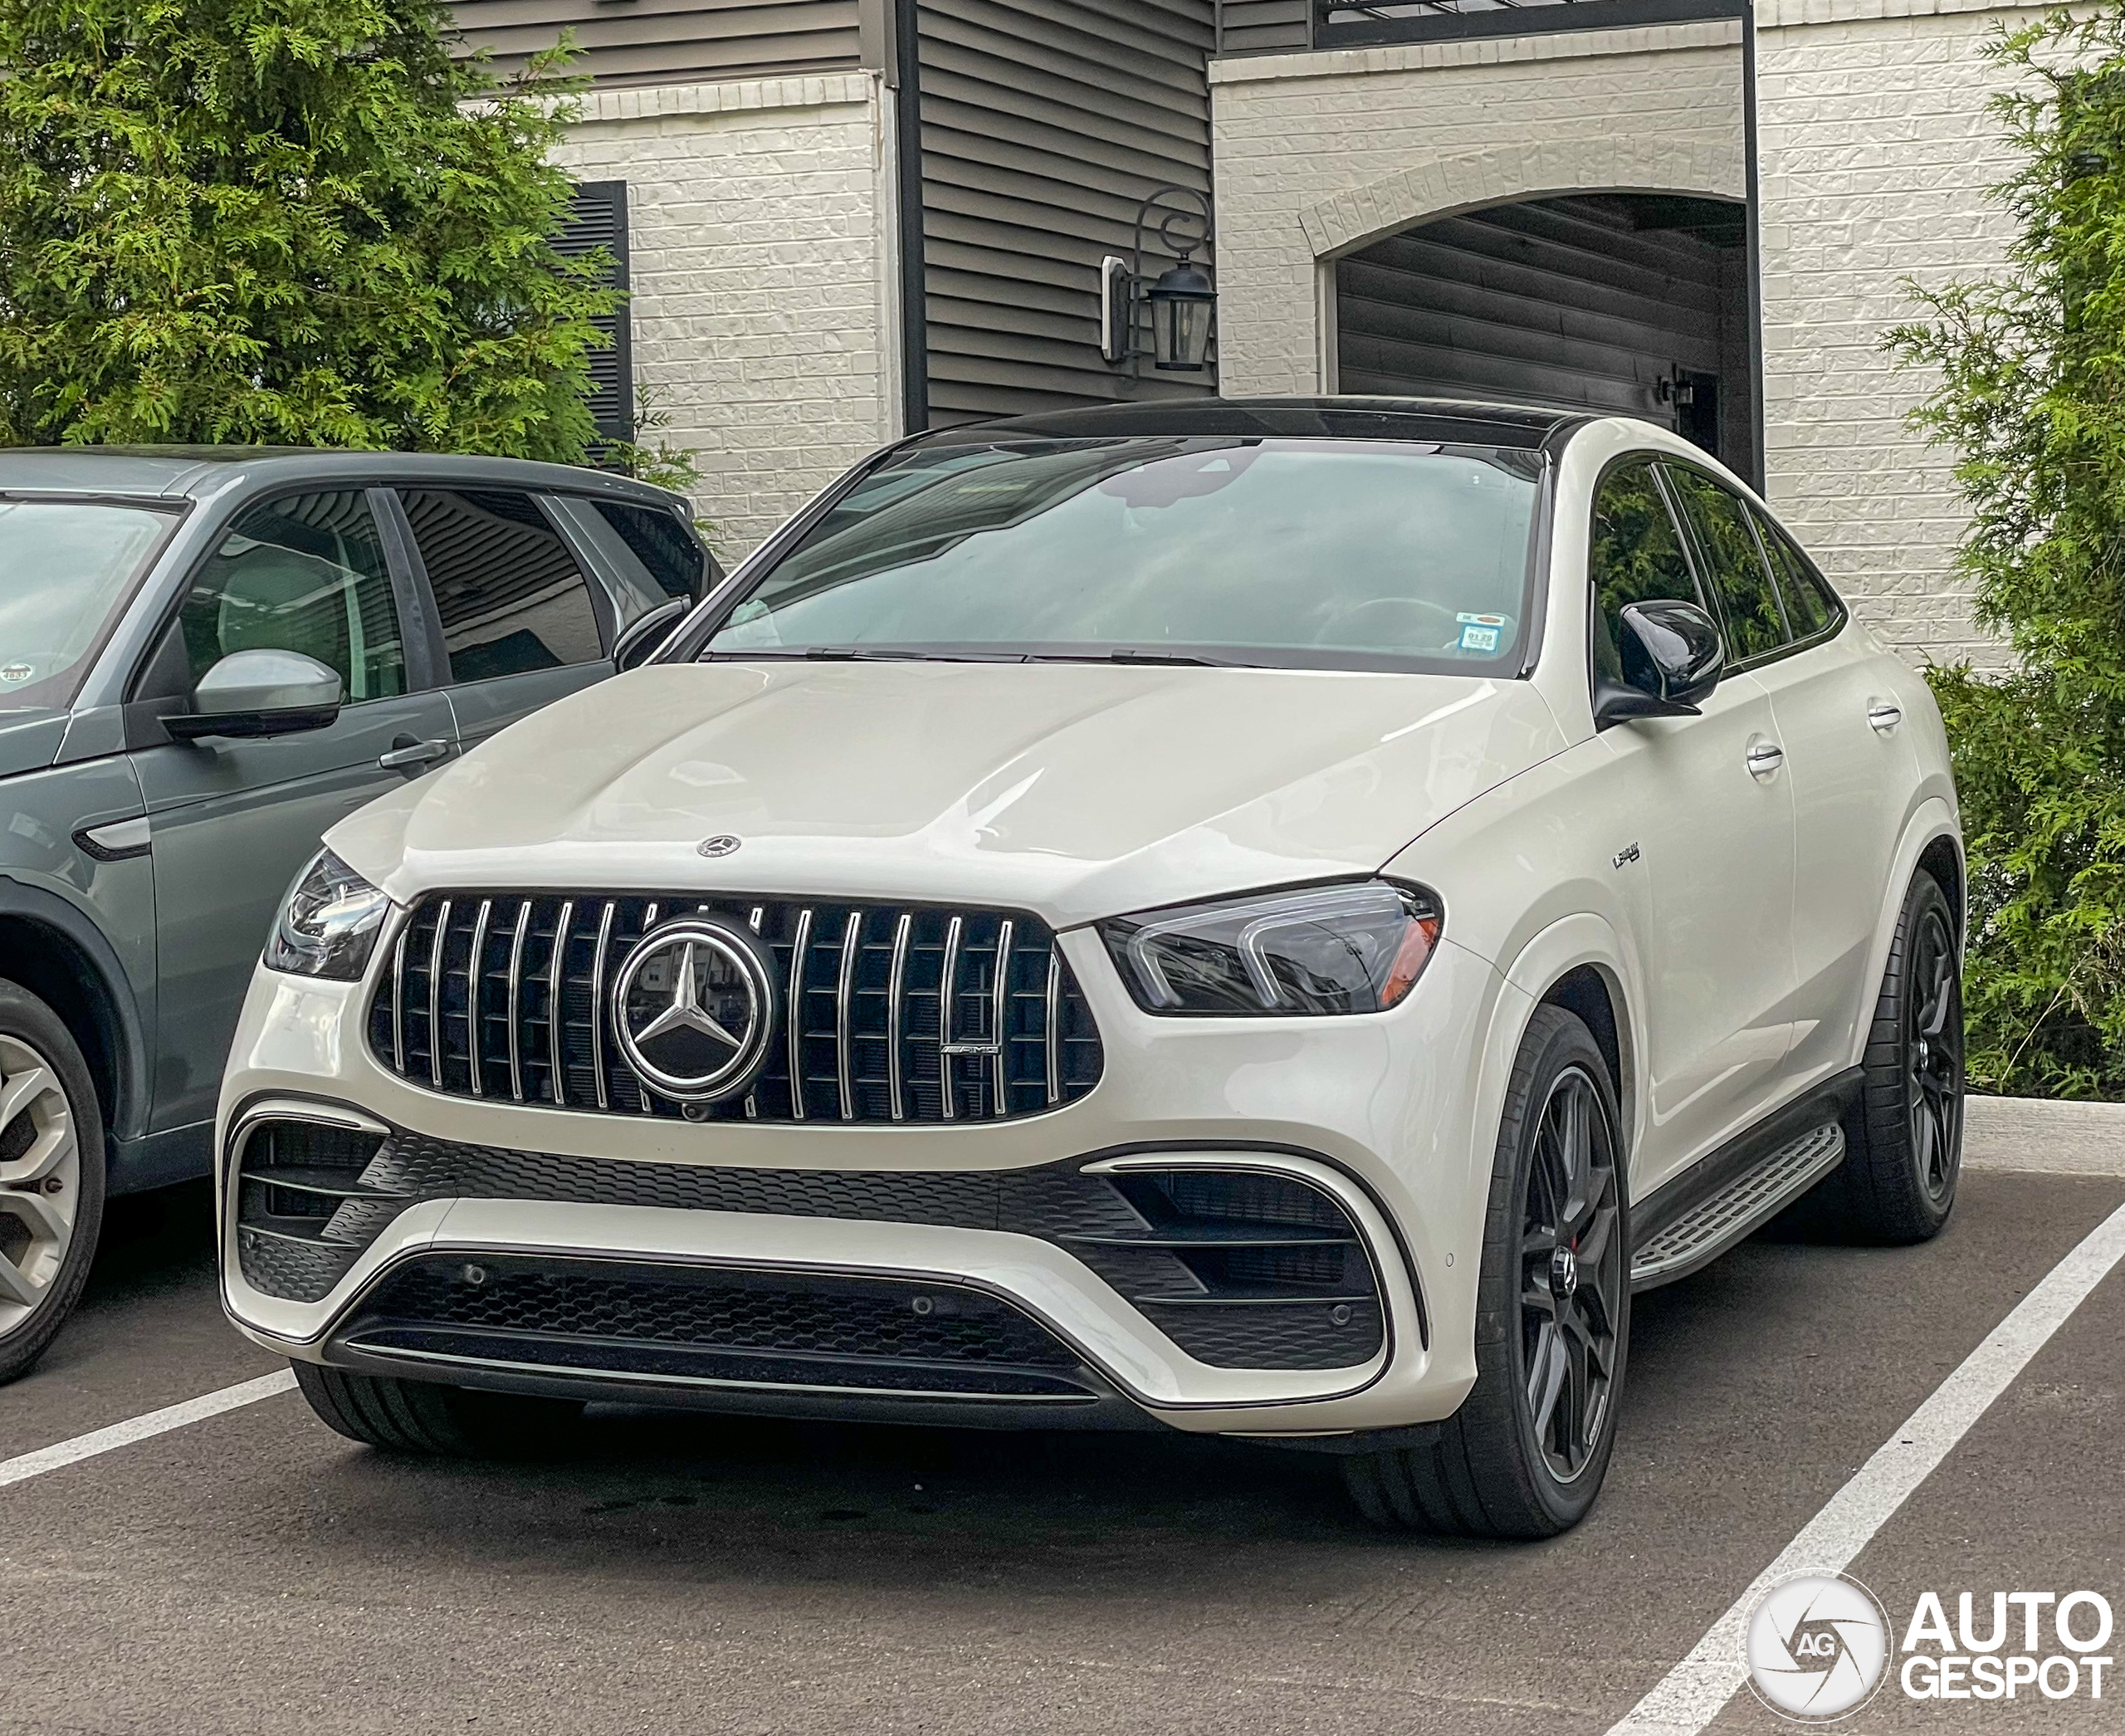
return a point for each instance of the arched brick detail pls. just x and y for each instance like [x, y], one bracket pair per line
[1626, 164]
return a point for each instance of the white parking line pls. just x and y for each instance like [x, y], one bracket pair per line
[1692, 1693]
[141, 1428]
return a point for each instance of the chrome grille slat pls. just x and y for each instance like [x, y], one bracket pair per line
[1010, 1032]
[896, 1004]
[844, 995]
[475, 978]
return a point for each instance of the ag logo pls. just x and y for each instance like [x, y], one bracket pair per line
[693, 1009]
[1818, 1647]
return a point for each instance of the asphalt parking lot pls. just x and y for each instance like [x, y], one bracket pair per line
[253, 1573]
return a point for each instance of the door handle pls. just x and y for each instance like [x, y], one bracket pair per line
[1764, 758]
[407, 751]
[1884, 717]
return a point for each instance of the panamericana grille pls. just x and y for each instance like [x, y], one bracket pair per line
[889, 1013]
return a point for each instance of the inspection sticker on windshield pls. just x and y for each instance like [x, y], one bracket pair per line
[1481, 632]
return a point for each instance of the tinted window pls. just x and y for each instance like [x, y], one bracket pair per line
[510, 594]
[306, 574]
[1291, 552]
[67, 569]
[1636, 556]
[661, 543]
[1810, 602]
[1754, 624]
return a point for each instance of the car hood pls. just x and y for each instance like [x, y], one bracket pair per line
[29, 740]
[1076, 791]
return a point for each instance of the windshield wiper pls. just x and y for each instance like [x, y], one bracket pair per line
[1141, 654]
[852, 654]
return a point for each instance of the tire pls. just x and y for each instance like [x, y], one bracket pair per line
[51, 1177]
[1515, 1462]
[438, 1421]
[1904, 1137]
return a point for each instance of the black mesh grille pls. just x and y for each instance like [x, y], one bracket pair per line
[871, 1031]
[772, 1328]
[1240, 1270]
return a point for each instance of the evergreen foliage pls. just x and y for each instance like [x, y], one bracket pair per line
[2031, 397]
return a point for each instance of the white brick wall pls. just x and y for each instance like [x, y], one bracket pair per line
[760, 250]
[1874, 151]
[1316, 153]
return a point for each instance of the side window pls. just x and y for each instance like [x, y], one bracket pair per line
[509, 594]
[305, 573]
[1636, 556]
[1809, 602]
[1754, 622]
[661, 543]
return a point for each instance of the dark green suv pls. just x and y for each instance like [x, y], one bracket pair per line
[207, 656]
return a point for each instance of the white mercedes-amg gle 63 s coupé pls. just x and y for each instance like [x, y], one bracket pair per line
[1268, 918]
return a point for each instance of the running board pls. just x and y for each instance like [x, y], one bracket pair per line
[1744, 1205]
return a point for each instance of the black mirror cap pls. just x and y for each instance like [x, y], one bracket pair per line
[644, 638]
[1672, 659]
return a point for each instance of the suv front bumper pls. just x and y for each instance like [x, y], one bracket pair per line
[1375, 1113]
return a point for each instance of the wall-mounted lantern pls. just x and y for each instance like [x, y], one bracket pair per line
[1182, 300]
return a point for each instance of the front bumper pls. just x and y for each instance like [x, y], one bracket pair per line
[1380, 1114]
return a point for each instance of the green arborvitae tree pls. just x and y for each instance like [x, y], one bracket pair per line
[2031, 398]
[282, 221]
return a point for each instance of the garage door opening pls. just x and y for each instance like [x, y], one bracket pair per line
[1635, 303]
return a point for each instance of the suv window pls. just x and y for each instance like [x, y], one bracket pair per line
[305, 573]
[661, 543]
[1809, 602]
[508, 593]
[1755, 624]
[1636, 556]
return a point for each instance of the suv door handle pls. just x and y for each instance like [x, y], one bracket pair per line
[1884, 717]
[406, 750]
[1764, 758]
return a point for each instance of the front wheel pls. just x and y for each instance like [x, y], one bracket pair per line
[1525, 1454]
[438, 1421]
[51, 1177]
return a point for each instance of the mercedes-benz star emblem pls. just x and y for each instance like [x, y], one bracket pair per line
[722, 844]
[693, 1008]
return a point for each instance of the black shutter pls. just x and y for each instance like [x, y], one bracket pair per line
[599, 218]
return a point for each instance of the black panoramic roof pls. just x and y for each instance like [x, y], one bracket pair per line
[1340, 418]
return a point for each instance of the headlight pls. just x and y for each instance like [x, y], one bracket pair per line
[329, 926]
[1317, 949]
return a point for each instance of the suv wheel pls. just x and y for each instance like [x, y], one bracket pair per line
[52, 1176]
[449, 1422]
[1525, 1454]
[1904, 1138]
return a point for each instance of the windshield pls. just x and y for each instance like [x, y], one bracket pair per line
[66, 567]
[1292, 553]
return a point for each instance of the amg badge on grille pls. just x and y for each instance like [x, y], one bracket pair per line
[693, 1009]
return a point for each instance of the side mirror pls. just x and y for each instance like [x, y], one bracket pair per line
[260, 693]
[641, 639]
[1672, 659]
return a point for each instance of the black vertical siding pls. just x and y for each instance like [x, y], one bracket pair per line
[599, 218]
[1039, 126]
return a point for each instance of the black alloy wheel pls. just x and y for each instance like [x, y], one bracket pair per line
[1572, 1276]
[1525, 1454]
[1934, 1053]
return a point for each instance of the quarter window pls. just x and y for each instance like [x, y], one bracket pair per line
[508, 593]
[1636, 556]
[308, 574]
[1754, 625]
[661, 543]
[1810, 602]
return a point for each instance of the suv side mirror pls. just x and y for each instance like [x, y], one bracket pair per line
[1672, 660]
[641, 639]
[260, 693]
